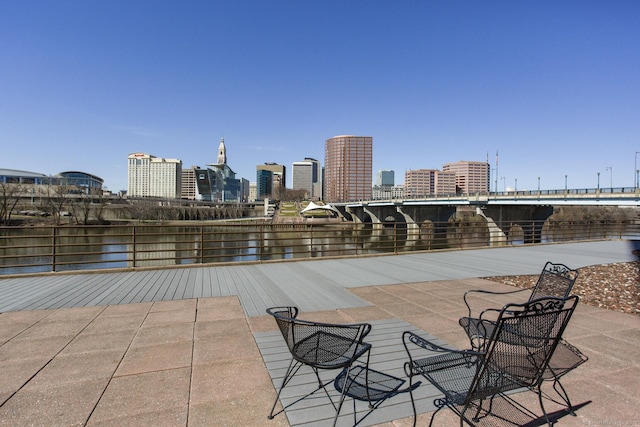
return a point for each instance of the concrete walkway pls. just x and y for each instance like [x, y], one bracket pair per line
[195, 361]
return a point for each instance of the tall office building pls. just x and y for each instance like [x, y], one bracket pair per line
[188, 188]
[150, 176]
[264, 184]
[347, 168]
[278, 179]
[385, 178]
[427, 182]
[306, 175]
[471, 177]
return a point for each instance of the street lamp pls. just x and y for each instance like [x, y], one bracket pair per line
[516, 185]
[635, 168]
[598, 181]
[538, 184]
[610, 169]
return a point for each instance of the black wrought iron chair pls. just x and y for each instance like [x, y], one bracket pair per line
[515, 356]
[320, 346]
[555, 280]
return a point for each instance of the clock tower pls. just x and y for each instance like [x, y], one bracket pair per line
[222, 153]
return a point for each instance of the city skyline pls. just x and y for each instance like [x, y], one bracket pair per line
[551, 86]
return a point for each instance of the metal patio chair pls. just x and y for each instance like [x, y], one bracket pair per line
[319, 346]
[515, 356]
[555, 280]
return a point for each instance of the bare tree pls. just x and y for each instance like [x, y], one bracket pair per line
[81, 208]
[57, 196]
[9, 198]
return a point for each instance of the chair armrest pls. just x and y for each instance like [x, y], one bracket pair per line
[484, 291]
[410, 337]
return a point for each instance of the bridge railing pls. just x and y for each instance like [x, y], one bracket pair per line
[609, 192]
[66, 248]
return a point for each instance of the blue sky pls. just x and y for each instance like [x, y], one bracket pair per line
[552, 86]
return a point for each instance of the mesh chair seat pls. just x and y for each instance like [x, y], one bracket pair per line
[328, 350]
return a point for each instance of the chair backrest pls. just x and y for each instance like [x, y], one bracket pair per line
[321, 345]
[555, 280]
[521, 345]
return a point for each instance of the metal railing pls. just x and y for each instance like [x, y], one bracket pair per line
[66, 248]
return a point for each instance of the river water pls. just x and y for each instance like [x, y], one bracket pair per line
[32, 249]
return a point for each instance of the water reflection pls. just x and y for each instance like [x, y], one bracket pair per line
[26, 250]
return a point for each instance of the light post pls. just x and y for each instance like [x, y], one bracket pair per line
[538, 184]
[565, 183]
[503, 184]
[598, 181]
[635, 168]
[516, 188]
[610, 169]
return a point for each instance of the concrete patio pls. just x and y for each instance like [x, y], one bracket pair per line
[195, 362]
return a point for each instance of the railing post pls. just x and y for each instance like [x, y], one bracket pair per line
[201, 244]
[53, 249]
[133, 246]
[395, 237]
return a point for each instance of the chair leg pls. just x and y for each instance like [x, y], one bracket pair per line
[345, 387]
[413, 403]
[544, 411]
[563, 395]
[291, 371]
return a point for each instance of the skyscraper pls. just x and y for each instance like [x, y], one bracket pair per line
[426, 182]
[347, 166]
[150, 176]
[307, 176]
[278, 179]
[471, 177]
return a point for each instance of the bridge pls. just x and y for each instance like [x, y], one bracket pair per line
[528, 209]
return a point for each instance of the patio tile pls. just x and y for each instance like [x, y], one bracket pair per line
[262, 323]
[155, 393]
[229, 308]
[402, 309]
[172, 417]
[229, 380]
[114, 323]
[87, 342]
[27, 348]
[16, 373]
[364, 314]
[59, 405]
[81, 314]
[54, 328]
[174, 305]
[223, 328]
[245, 410]
[140, 308]
[231, 348]
[84, 367]
[170, 316]
[161, 334]
[158, 357]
